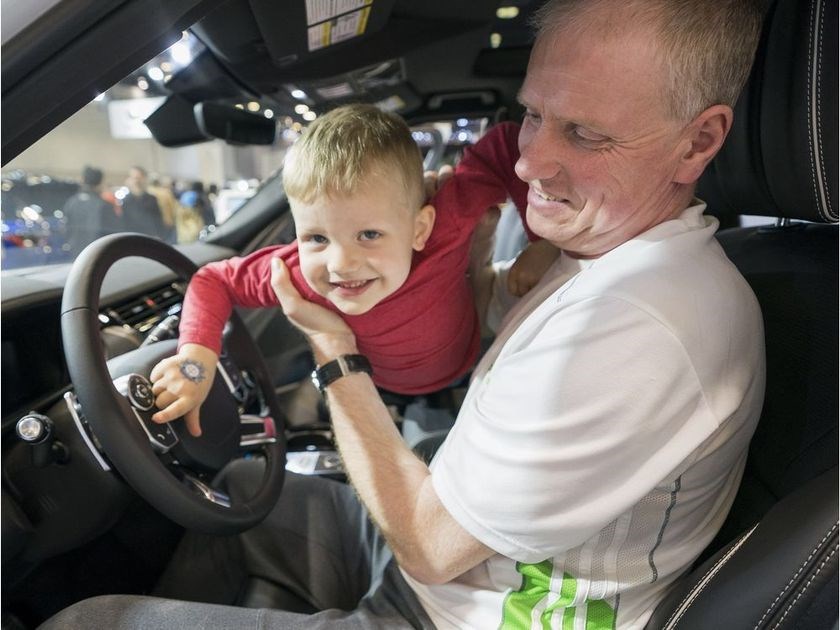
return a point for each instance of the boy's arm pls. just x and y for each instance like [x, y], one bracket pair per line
[530, 266]
[182, 383]
[485, 177]
[219, 286]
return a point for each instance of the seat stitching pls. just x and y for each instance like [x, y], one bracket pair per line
[804, 588]
[796, 575]
[701, 585]
[810, 108]
[831, 213]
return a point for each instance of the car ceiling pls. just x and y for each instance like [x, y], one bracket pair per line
[432, 58]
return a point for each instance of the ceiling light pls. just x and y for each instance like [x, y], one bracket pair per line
[495, 40]
[166, 66]
[300, 108]
[142, 83]
[180, 52]
[239, 106]
[253, 106]
[310, 116]
[507, 13]
[298, 94]
[155, 73]
[269, 113]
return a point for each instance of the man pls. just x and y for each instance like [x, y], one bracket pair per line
[141, 212]
[604, 434]
[88, 215]
[161, 189]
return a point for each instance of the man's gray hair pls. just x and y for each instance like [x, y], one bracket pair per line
[707, 46]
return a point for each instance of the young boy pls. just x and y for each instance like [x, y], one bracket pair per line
[368, 248]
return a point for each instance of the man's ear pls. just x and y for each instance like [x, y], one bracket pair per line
[424, 221]
[706, 134]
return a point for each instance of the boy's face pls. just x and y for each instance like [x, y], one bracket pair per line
[356, 251]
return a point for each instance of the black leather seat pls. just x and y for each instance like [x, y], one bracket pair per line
[779, 568]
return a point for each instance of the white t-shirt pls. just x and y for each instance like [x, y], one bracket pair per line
[604, 435]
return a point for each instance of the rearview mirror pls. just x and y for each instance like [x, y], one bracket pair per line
[234, 125]
[178, 122]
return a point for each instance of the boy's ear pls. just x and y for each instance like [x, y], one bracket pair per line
[706, 135]
[424, 221]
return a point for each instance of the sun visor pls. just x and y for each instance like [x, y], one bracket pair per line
[296, 30]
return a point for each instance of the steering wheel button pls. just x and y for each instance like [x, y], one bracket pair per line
[140, 392]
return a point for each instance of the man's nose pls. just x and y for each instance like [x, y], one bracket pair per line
[541, 156]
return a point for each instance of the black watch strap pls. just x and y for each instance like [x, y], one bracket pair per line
[342, 366]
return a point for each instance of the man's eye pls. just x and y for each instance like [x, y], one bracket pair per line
[587, 135]
[531, 116]
[369, 235]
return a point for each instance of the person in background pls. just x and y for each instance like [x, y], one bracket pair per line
[141, 212]
[200, 202]
[160, 189]
[88, 215]
[212, 195]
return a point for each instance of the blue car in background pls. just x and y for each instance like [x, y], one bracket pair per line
[34, 229]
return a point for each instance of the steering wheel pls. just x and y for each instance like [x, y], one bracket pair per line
[167, 466]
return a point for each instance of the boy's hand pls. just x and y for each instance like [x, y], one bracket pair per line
[328, 334]
[433, 181]
[181, 383]
[530, 266]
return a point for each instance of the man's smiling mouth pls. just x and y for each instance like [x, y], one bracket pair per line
[545, 196]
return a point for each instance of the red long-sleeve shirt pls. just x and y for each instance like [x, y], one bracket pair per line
[423, 336]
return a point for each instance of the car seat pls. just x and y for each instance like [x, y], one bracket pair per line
[779, 568]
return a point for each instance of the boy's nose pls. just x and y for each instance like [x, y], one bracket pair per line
[342, 260]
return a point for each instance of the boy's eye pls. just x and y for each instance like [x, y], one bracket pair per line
[369, 235]
[320, 239]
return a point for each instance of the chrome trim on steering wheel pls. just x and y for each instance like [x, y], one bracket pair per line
[267, 436]
[211, 494]
[74, 407]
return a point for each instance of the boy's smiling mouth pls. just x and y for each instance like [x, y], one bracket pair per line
[351, 288]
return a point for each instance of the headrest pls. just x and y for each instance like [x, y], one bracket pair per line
[780, 158]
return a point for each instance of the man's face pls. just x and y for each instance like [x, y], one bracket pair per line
[136, 181]
[356, 251]
[597, 147]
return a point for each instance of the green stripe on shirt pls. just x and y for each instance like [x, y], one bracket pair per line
[518, 607]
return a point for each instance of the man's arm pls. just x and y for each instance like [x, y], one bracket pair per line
[393, 483]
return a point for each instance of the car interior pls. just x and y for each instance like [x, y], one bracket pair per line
[95, 497]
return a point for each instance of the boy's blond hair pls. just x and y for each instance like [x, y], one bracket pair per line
[340, 150]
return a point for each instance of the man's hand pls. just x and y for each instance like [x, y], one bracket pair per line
[530, 266]
[328, 335]
[181, 384]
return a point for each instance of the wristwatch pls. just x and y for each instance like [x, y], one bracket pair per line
[342, 366]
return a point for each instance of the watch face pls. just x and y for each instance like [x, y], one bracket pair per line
[315, 380]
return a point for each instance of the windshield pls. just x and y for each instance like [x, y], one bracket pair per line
[101, 172]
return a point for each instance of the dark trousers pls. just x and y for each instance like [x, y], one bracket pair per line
[316, 551]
